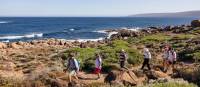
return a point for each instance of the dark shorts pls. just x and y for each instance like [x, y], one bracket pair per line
[174, 62]
[170, 62]
[122, 63]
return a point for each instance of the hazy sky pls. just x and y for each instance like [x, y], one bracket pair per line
[93, 7]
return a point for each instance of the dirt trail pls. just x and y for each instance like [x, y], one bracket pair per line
[90, 78]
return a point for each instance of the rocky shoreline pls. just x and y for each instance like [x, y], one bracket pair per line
[40, 61]
[119, 34]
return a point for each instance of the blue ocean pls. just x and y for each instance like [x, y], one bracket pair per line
[73, 28]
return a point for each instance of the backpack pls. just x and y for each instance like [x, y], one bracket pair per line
[75, 64]
[173, 54]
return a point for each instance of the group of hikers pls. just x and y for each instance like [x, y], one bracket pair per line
[169, 59]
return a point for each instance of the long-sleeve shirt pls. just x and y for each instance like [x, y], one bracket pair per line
[147, 54]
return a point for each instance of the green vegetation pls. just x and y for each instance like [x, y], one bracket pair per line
[173, 84]
[183, 36]
[155, 38]
[196, 56]
[196, 31]
[110, 54]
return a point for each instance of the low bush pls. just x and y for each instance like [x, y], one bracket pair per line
[173, 84]
[156, 38]
[183, 36]
[110, 55]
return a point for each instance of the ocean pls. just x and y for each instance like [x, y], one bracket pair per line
[74, 28]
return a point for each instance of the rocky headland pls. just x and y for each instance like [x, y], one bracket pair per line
[39, 63]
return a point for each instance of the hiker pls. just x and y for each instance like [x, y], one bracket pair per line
[122, 58]
[165, 56]
[147, 57]
[72, 67]
[171, 59]
[98, 65]
[175, 58]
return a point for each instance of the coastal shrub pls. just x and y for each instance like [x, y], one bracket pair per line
[107, 67]
[190, 55]
[173, 84]
[155, 38]
[119, 44]
[183, 36]
[196, 56]
[134, 57]
[196, 31]
[85, 56]
[88, 65]
[197, 75]
[133, 40]
[179, 45]
[110, 55]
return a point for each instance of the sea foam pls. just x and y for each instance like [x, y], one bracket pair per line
[4, 22]
[22, 36]
[85, 40]
[101, 31]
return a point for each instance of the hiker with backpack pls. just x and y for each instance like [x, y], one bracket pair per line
[72, 67]
[98, 65]
[123, 58]
[165, 56]
[171, 57]
[147, 57]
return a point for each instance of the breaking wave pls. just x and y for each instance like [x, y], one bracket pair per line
[85, 40]
[4, 22]
[22, 36]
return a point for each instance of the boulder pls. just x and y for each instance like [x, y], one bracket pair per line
[167, 28]
[20, 43]
[195, 23]
[127, 78]
[34, 42]
[112, 76]
[160, 74]
[2, 45]
[125, 33]
[15, 46]
[150, 75]
[62, 42]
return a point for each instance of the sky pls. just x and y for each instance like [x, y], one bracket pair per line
[87, 8]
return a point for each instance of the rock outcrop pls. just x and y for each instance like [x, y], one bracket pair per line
[2, 45]
[127, 78]
[195, 23]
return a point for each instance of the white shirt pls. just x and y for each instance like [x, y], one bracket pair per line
[172, 56]
[147, 54]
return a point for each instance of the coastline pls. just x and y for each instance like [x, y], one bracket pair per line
[42, 60]
[111, 34]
